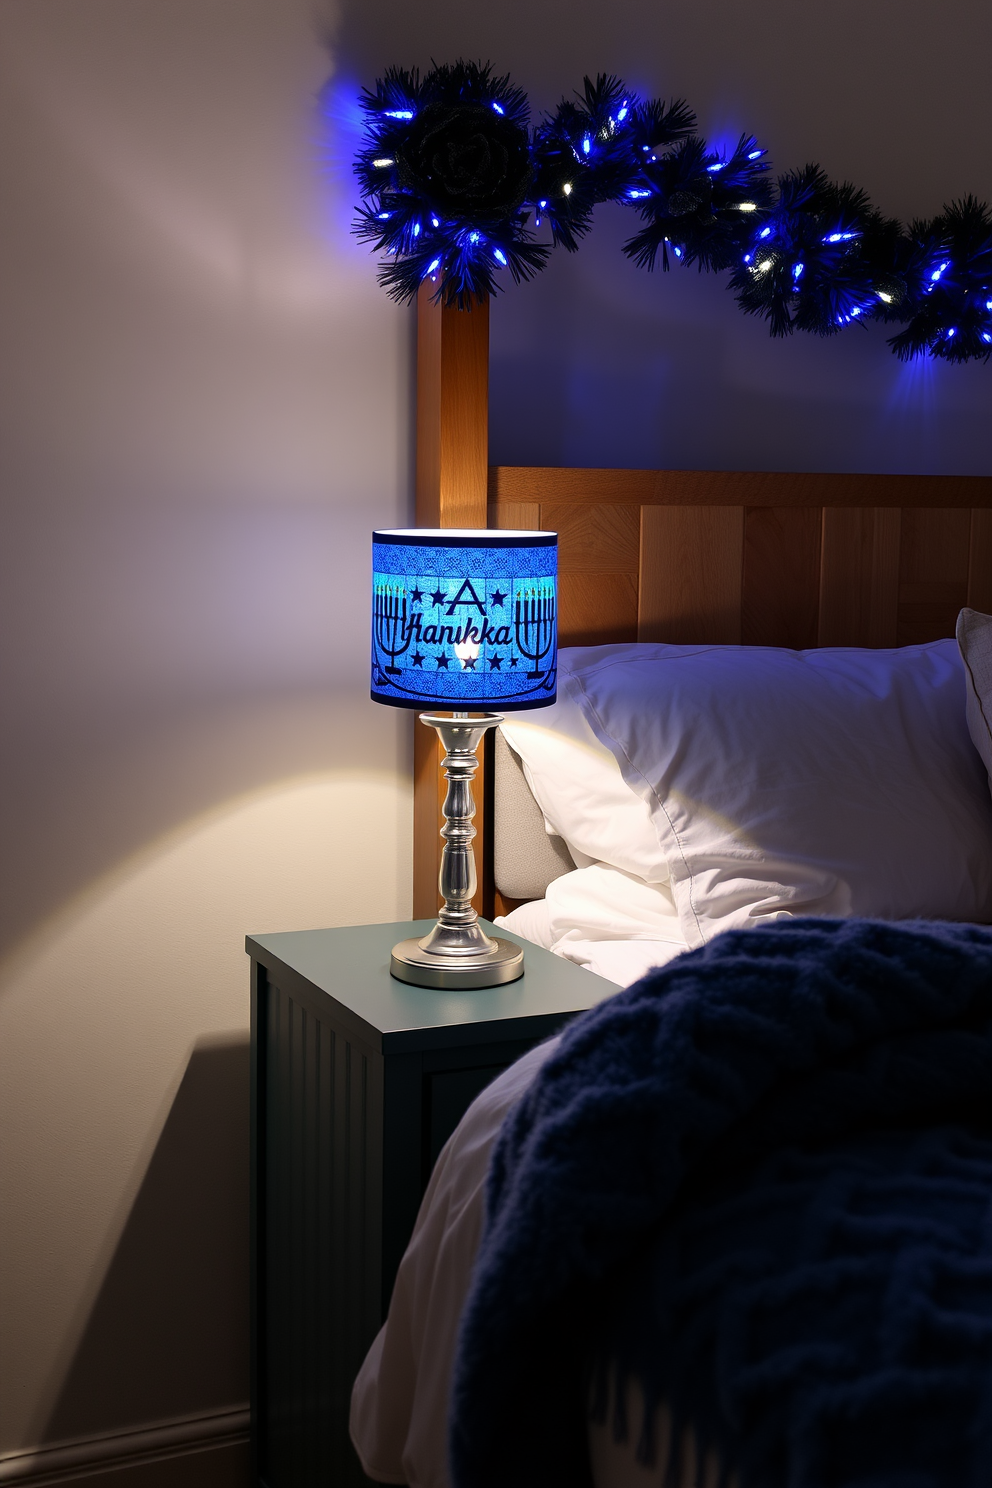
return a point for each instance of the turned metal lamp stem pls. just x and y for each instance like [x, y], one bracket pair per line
[458, 927]
[458, 952]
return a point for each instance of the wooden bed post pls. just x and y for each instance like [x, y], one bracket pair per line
[452, 474]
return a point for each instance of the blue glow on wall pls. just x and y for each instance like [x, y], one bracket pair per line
[465, 621]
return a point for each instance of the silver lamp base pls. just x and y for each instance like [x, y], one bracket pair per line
[457, 953]
[411, 963]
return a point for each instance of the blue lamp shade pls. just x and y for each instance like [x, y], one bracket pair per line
[464, 620]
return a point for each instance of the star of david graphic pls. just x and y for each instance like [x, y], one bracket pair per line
[472, 599]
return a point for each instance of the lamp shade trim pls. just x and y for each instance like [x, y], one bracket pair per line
[466, 621]
[447, 537]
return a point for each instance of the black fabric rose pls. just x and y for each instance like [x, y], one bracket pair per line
[467, 160]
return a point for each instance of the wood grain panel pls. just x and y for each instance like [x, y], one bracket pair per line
[594, 539]
[452, 417]
[933, 572]
[781, 591]
[859, 576]
[733, 488]
[690, 574]
[595, 609]
[980, 561]
[452, 476]
[525, 516]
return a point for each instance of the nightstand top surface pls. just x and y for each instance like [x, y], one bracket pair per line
[351, 965]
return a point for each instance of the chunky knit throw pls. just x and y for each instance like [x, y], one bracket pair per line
[760, 1182]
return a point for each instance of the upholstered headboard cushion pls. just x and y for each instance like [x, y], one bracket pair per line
[525, 858]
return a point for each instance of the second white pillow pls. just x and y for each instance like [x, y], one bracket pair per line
[579, 787]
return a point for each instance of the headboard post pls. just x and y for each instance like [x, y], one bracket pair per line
[452, 468]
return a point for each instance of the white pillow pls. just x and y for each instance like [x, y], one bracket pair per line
[974, 634]
[577, 783]
[830, 782]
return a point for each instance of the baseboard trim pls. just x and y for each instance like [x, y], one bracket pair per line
[174, 1438]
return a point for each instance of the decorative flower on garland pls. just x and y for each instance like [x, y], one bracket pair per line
[445, 172]
[455, 186]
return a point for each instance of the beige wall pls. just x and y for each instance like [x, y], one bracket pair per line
[205, 409]
[205, 406]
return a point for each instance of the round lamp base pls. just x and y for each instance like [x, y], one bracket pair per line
[456, 973]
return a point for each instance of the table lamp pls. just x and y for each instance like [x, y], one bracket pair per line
[467, 621]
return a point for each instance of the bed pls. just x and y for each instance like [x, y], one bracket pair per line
[683, 563]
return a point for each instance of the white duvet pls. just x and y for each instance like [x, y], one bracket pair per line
[604, 919]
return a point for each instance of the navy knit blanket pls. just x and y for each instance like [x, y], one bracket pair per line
[760, 1182]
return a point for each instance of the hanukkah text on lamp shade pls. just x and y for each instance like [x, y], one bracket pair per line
[465, 620]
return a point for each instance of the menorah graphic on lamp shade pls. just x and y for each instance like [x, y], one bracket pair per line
[535, 624]
[466, 621]
[389, 622]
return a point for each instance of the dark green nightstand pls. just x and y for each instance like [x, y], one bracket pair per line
[357, 1082]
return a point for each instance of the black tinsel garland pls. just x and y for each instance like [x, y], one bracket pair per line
[949, 307]
[455, 185]
[701, 205]
[591, 151]
[818, 262]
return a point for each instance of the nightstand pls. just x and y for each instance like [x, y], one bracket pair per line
[357, 1082]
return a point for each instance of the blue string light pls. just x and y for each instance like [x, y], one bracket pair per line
[835, 259]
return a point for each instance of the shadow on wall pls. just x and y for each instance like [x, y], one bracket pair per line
[168, 1335]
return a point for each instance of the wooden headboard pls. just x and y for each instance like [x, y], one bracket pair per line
[726, 557]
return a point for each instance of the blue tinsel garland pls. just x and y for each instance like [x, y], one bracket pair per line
[455, 183]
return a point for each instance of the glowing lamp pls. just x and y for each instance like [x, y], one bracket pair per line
[464, 621]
